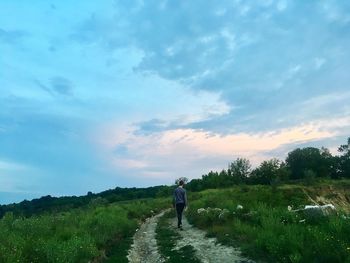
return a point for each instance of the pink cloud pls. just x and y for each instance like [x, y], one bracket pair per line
[182, 151]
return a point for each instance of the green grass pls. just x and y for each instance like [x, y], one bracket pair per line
[166, 239]
[265, 229]
[79, 235]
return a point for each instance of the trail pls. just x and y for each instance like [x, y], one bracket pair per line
[207, 249]
[144, 248]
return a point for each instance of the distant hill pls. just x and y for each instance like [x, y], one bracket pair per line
[55, 204]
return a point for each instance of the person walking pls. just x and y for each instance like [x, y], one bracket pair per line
[180, 202]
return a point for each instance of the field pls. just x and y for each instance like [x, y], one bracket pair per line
[96, 232]
[256, 219]
[267, 223]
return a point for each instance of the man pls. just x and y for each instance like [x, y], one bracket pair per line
[180, 202]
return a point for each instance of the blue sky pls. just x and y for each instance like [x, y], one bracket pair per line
[98, 94]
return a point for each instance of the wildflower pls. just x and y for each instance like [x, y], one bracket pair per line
[239, 207]
[289, 208]
[200, 210]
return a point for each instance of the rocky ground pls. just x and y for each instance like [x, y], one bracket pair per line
[207, 250]
[144, 247]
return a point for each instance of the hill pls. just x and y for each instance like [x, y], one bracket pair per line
[266, 223]
[270, 223]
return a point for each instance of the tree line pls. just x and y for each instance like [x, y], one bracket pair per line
[300, 164]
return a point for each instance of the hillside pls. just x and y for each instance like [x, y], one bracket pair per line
[257, 219]
[252, 219]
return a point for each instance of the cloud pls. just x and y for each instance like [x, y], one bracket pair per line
[6, 165]
[192, 152]
[336, 11]
[319, 62]
[256, 56]
[12, 36]
[44, 87]
[61, 86]
[58, 86]
[282, 5]
[167, 89]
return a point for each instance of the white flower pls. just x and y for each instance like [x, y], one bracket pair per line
[239, 207]
[200, 210]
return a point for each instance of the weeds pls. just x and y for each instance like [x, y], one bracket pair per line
[264, 229]
[79, 235]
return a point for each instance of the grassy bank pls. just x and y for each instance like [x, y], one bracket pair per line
[78, 235]
[256, 219]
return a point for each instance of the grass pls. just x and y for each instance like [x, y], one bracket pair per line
[166, 238]
[79, 235]
[264, 229]
[118, 249]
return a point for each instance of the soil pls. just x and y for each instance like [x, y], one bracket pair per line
[144, 248]
[207, 250]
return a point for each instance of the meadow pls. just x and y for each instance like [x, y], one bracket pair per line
[257, 219]
[95, 233]
[267, 222]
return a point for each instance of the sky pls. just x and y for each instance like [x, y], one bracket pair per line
[99, 94]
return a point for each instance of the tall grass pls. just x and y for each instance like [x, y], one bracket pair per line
[79, 235]
[265, 229]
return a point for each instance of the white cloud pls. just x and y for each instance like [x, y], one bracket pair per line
[12, 166]
[335, 13]
[319, 62]
[281, 5]
[197, 151]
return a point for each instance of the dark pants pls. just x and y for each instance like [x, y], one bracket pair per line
[179, 209]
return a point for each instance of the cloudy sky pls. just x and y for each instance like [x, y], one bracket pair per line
[98, 94]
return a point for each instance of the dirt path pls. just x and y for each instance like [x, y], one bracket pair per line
[207, 249]
[144, 247]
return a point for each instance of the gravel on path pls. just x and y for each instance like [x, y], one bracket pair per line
[144, 248]
[208, 250]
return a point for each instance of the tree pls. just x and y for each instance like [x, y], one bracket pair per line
[211, 180]
[195, 185]
[309, 158]
[239, 170]
[184, 179]
[268, 172]
[344, 160]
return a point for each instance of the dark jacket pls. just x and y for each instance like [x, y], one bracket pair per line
[180, 196]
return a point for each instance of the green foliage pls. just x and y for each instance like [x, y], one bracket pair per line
[48, 203]
[309, 158]
[310, 177]
[269, 172]
[343, 164]
[184, 179]
[240, 169]
[264, 228]
[307, 164]
[75, 236]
